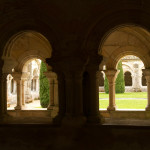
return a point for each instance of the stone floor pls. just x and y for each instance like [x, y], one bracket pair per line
[97, 137]
[35, 105]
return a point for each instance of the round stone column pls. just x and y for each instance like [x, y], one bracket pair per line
[111, 76]
[146, 72]
[23, 93]
[17, 78]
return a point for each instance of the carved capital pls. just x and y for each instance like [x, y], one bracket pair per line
[111, 75]
[17, 76]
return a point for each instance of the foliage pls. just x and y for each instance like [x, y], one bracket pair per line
[44, 86]
[106, 86]
[120, 84]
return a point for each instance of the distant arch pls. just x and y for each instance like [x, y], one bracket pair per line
[128, 78]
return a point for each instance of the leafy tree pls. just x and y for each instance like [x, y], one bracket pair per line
[106, 86]
[44, 86]
[120, 84]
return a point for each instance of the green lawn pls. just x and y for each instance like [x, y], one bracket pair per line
[126, 95]
[126, 103]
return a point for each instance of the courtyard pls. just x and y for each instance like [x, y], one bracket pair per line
[128, 100]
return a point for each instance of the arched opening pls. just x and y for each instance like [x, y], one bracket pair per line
[128, 78]
[31, 85]
[134, 95]
[143, 80]
[22, 57]
[32, 94]
[125, 43]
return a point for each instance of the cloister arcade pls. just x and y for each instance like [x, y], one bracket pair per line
[134, 78]
[124, 41]
[22, 58]
[27, 46]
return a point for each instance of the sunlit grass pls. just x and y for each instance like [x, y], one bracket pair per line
[125, 103]
[126, 95]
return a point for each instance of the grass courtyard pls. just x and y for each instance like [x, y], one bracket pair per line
[133, 100]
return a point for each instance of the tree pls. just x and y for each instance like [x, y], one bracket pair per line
[120, 84]
[106, 86]
[44, 86]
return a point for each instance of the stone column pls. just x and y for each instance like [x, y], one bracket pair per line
[23, 92]
[56, 92]
[61, 99]
[3, 100]
[51, 89]
[92, 95]
[111, 76]
[69, 72]
[74, 98]
[136, 79]
[146, 72]
[17, 78]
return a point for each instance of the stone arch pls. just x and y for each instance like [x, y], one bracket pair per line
[124, 51]
[125, 40]
[24, 46]
[128, 68]
[96, 35]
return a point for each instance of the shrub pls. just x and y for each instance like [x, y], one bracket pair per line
[120, 84]
[44, 87]
[106, 86]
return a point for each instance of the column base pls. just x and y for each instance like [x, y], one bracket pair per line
[147, 108]
[74, 121]
[18, 108]
[57, 119]
[94, 119]
[111, 108]
[54, 111]
[50, 107]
